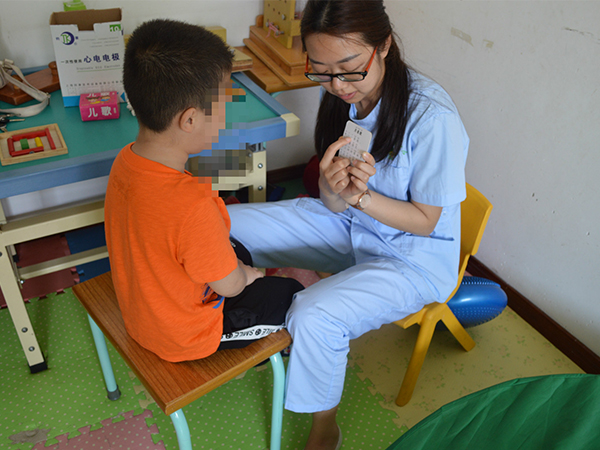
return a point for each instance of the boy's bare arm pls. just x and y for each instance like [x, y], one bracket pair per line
[234, 283]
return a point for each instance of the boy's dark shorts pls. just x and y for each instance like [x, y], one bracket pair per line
[259, 310]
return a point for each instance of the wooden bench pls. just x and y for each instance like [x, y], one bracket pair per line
[174, 385]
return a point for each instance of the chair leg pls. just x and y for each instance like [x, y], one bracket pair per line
[182, 430]
[416, 361]
[458, 331]
[109, 377]
[278, 396]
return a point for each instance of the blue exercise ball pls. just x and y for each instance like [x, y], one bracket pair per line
[477, 300]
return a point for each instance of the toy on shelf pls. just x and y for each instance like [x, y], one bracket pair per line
[280, 19]
[241, 61]
[287, 63]
[45, 80]
[31, 143]
[74, 5]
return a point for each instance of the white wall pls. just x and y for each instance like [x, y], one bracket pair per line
[25, 34]
[525, 77]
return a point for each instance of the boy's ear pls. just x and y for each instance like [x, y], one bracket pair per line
[188, 119]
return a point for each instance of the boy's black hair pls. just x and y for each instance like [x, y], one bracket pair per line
[171, 66]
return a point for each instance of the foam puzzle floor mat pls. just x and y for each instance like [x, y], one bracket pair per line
[66, 407]
[37, 251]
[131, 432]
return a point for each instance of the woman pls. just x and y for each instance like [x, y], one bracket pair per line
[388, 228]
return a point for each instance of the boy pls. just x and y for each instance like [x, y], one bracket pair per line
[167, 232]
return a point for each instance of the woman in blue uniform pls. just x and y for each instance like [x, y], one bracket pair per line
[388, 228]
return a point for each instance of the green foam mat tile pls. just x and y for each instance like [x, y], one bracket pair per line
[237, 416]
[69, 395]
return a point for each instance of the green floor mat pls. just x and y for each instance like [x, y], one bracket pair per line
[237, 416]
[71, 394]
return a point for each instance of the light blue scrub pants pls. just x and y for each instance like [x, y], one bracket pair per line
[369, 289]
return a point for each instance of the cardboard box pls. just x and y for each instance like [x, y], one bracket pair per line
[99, 106]
[89, 49]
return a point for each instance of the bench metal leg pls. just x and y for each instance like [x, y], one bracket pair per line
[109, 377]
[182, 430]
[278, 395]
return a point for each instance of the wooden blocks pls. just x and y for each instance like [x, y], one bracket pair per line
[286, 63]
[241, 61]
[31, 143]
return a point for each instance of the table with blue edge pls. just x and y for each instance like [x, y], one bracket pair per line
[92, 148]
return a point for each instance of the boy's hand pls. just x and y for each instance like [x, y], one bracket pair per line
[252, 273]
[234, 283]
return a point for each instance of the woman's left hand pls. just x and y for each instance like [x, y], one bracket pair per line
[359, 173]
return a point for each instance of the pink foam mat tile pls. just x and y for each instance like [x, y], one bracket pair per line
[86, 440]
[43, 249]
[131, 432]
[37, 251]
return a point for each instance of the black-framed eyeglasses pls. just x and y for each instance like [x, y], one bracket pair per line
[348, 76]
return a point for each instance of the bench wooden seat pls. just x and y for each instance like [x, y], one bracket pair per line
[174, 385]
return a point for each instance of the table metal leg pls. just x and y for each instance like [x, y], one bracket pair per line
[27, 229]
[257, 179]
[16, 307]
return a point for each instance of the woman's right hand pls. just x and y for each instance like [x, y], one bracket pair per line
[334, 176]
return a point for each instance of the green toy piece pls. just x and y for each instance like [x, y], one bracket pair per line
[75, 5]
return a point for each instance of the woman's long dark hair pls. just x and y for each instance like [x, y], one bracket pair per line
[369, 19]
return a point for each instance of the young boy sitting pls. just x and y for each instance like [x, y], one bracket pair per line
[183, 287]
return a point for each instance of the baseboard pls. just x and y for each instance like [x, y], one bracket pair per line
[285, 174]
[572, 347]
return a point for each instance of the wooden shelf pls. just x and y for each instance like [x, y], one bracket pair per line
[268, 80]
[241, 61]
[270, 69]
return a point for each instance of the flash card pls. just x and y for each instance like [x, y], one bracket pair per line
[361, 139]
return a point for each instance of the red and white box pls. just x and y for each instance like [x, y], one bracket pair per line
[99, 106]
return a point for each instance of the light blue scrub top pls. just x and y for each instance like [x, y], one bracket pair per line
[429, 169]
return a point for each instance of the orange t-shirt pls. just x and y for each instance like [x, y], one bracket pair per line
[167, 236]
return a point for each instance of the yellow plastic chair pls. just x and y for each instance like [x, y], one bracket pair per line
[475, 211]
